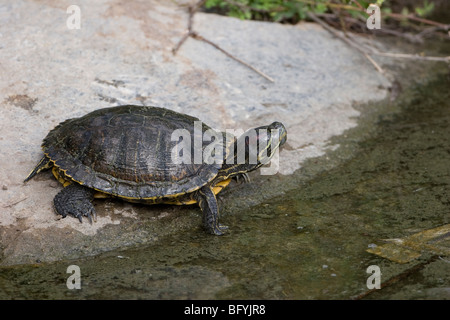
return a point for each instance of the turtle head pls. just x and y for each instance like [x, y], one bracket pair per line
[268, 140]
[255, 148]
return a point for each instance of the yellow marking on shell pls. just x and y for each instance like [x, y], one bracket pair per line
[216, 189]
[179, 202]
[101, 194]
[64, 182]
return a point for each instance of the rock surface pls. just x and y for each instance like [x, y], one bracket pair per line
[122, 54]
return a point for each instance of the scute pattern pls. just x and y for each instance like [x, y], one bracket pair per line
[126, 151]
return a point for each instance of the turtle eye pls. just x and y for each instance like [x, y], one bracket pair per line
[269, 149]
[251, 140]
[264, 145]
[251, 148]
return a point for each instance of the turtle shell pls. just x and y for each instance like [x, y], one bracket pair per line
[126, 151]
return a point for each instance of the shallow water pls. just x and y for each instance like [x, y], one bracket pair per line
[309, 243]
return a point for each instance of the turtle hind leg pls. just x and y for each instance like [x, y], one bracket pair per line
[75, 200]
[45, 163]
[208, 203]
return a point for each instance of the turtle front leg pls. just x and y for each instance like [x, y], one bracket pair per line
[75, 200]
[208, 203]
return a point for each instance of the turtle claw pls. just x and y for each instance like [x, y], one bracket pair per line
[75, 200]
[86, 214]
[78, 210]
[242, 178]
[218, 230]
[90, 213]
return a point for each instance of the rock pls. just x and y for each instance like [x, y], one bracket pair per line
[122, 54]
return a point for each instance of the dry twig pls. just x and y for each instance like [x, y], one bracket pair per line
[410, 56]
[195, 35]
[191, 33]
[14, 203]
[345, 39]
[367, 53]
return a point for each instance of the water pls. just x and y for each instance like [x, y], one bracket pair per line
[309, 243]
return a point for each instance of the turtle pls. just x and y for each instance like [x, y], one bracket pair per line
[127, 152]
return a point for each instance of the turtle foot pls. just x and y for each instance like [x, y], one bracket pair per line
[218, 230]
[75, 200]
